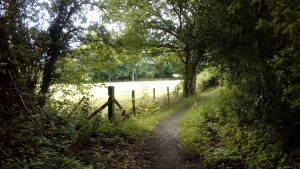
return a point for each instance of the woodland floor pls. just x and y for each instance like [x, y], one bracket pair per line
[162, 150]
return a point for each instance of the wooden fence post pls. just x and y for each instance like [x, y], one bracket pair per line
[168, 95]
[133, 102]
[111, 103]
[153, 94]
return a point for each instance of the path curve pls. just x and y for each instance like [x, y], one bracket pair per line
[163, 150]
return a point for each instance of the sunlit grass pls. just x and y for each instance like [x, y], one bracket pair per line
[123, 90]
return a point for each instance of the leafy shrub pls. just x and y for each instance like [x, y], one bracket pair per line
[213, 81]
[178, 89]
[208, 78]
[47, 140]
[224, 131]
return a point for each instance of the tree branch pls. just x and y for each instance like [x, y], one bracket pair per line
[18, 91]
[69, 32]
[180, 56]
[153, 25]
[179, 15]
[163, 52]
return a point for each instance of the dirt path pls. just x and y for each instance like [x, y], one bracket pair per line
[163, 151]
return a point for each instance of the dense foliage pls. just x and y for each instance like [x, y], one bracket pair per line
[253, 46]
[259, 56]
[213, 130]
[224, 129]
[255, 122]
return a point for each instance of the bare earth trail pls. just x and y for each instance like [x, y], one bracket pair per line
[163, 150]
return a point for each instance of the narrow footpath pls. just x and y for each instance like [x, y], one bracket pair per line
[163, 150]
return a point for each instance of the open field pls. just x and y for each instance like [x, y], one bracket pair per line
[98, 93]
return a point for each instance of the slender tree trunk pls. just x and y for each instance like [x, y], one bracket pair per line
[53, 54]
[132, 76]
[47, 78]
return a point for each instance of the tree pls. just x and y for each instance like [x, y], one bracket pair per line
[171, 26]
[285, 24]
[19, 57]
[258, 49]
[256, 35]
[30, 49]
[61, 30]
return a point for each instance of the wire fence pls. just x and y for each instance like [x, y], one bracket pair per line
[144, 99]
[159, 92]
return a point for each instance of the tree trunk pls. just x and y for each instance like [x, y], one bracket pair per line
[190, 76]
[132, 76]
[191, 66]
[54, 51]
[66, 9]
[47, 77]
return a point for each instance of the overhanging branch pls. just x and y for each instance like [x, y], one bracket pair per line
[162, 52]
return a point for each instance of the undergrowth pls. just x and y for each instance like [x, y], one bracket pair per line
[50, 139]
[213, 129]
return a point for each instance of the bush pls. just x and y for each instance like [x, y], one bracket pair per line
[46, 140]
[224, 131]
[208, 78]
[213, 81]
